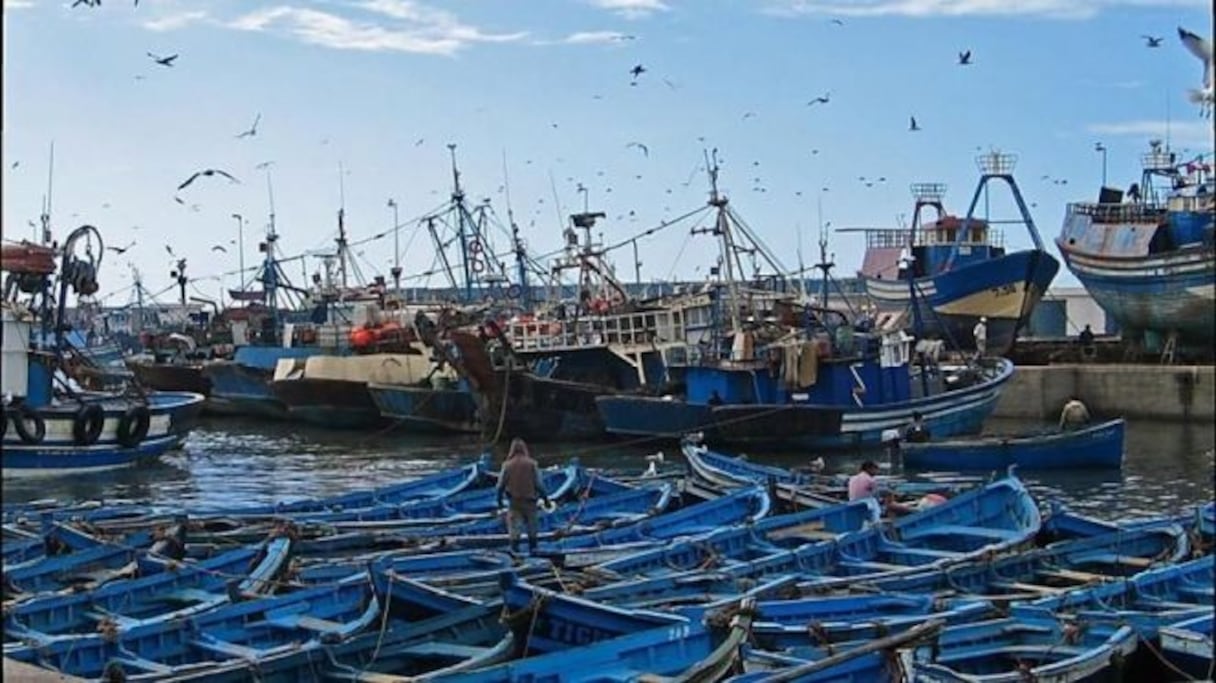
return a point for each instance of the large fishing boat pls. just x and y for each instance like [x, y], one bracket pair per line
[1147, 255]
[51, 424]
[960, 268]
[784, 372]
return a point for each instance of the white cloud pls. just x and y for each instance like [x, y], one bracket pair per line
[18, 4]
[1052, 9]
[1180, 133]
[632, 9]
[596, 38]
[413, 28]
[172, 22]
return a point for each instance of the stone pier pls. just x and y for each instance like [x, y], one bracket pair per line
[1155, 392]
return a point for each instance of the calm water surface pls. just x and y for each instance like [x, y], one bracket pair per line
[237, 461]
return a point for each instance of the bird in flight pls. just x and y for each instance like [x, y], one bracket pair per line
[207, 172]
[1152, 41]
[644, 148]
[163, 61]
[170, 250]
[253, 130]
[964, 58]
[822, 99]
[264, 165]
[1202, 49]
[219, 247]
[636, 71]
[838, 22]
[121, 250]
[748, 115]
[913, 125]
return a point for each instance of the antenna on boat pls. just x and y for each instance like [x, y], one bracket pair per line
[45, 218]
[342, 224]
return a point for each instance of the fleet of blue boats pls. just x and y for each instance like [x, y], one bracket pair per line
[718, 572]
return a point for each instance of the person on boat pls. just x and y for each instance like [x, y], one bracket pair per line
[980, 332]
[1074, 415]
[1087, 342]
[520, 482]
[864, 484]
[917, 432]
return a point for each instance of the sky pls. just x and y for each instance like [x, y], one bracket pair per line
[356, 102]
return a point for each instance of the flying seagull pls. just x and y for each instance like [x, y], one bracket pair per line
[748, 115]
[822, 99]
[163, 61]
[1152, 41]
[253, 130]
[207, 172]
[636, 71]
[219, 247]
[1202, 49]
[121, 250]
[838, 22]
[912, 125]
[644, 148]
[264, 165]
[964, 58]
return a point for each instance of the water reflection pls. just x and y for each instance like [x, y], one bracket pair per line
[236, 461]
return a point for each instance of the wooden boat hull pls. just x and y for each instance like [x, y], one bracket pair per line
[330, 403]
[242, 390]
[1188, 645]
[423, 410]
[1004, 289]
[1095, 446]
[170, 418]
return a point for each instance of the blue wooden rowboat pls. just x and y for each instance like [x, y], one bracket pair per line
[795, 489]
[88, 561]
[1095, 446]
[1062, 523]
[96, 432]
[1019, 649]
[856, 664]
[173, 592]
[827, 622]
[558, 482]
[1188, 645]
[438, 485]
[1149, 601]
[271, 639]
[561, 638]
[578, 516]
[1059, 567]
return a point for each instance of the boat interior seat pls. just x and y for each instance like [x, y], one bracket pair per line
[226, 649]
[189, 595]
[960, 530]
[1196, 591]
[437, 648]
[869, 567]
[1020, 587]
[303, 621]
[130, 660]
[1117, 559]
[928, 553]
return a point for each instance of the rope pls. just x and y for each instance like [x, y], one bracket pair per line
[502, 413]
[388, 600]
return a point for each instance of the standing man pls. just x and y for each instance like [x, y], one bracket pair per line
[1087, 343]
[917, 432]
[520, 481]
[980, 332]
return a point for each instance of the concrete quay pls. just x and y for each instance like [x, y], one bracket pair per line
[1149, 391]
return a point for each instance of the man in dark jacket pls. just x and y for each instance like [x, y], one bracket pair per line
[520, 481]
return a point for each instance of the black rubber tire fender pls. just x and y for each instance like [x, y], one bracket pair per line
[88, 423]
[30, 426]
[133, 426]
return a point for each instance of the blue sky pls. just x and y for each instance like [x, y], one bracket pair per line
[379, 87]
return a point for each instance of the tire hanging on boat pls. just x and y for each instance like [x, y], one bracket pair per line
[133, 426]
[88, 423]
[29, 425]
[4, 425]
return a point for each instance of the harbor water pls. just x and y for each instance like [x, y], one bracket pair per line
[234, 461]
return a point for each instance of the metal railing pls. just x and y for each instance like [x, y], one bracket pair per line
[624, 330]
[1118, 213]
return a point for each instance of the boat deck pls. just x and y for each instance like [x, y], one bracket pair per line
[20, 672]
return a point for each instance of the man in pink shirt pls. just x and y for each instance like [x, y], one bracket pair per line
[863, 484]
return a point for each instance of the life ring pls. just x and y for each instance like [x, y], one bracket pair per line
[477, 265]
[514, 291]
[87, 425]
[29, 425]
[475, 246]
[133, 426]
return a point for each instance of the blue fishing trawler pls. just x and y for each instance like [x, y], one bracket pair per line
[958, 270]
[1147, 255]
[50, 424]
[784, 372]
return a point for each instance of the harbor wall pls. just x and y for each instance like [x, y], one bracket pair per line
[1159, 392]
